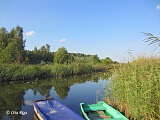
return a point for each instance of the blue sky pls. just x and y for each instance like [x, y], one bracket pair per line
[103, 27]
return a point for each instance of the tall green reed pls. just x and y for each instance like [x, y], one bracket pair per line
[22, 72]
[135, 88]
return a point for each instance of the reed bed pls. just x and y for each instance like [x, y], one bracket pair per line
[134, 89]
[23, 72]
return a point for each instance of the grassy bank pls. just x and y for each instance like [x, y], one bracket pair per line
[135, 89]
[22, 72]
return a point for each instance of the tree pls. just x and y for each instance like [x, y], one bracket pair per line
[106, 61]
[61, 55]
[12, 45]
[95, 59]
[70, 59]
[3, 41]
[20, 43]
[43, 49]
[8, 55]
[48, 47]
[39, 55]
[35, 49]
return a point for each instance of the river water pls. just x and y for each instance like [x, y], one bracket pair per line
[16, 97]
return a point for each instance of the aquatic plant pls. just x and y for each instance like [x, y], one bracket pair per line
[135, 88]
[23, 72]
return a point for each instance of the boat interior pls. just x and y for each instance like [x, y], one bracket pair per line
[98, 115]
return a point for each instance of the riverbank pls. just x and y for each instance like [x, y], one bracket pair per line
[135, 88]
[23, 72]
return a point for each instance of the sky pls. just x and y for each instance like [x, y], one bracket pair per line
[108, 28]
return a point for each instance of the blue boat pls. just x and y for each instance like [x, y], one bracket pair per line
[51, 109]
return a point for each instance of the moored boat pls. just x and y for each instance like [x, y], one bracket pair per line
[100, 111]
[51, 109]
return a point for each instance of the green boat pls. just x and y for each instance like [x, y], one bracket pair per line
[100, 111]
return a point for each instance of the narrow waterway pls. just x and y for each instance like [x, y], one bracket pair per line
[16, 98]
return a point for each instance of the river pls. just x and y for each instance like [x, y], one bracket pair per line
[16, 97]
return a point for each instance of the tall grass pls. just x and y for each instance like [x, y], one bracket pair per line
[22, 72]
[135, 88]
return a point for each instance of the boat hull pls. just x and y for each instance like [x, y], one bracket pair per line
[100, 111]
[51, 109]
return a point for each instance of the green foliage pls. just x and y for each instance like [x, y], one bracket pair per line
[135, 88]
[106, 61]
[44, 49]
[37, 56]
[12, 51]
[83, 58]
[9, 54]
[11, 45]
[70, 59]
[22, 72]
[61, 55]
[7, 71]
[3, 39]
[80, 68]
[30, 72]
[35, 49]
[60, 70]
[95, 59]
[47, 47]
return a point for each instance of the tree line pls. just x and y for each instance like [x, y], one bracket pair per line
[12, 45]
[12, 50]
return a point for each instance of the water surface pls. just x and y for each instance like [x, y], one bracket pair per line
[16, 98]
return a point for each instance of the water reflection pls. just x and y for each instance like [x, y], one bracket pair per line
[19, 96]
[11, 100]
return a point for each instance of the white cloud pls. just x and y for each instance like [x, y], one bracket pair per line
[30, 33]
[77, 52]
[158, 7]
[61, 40]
